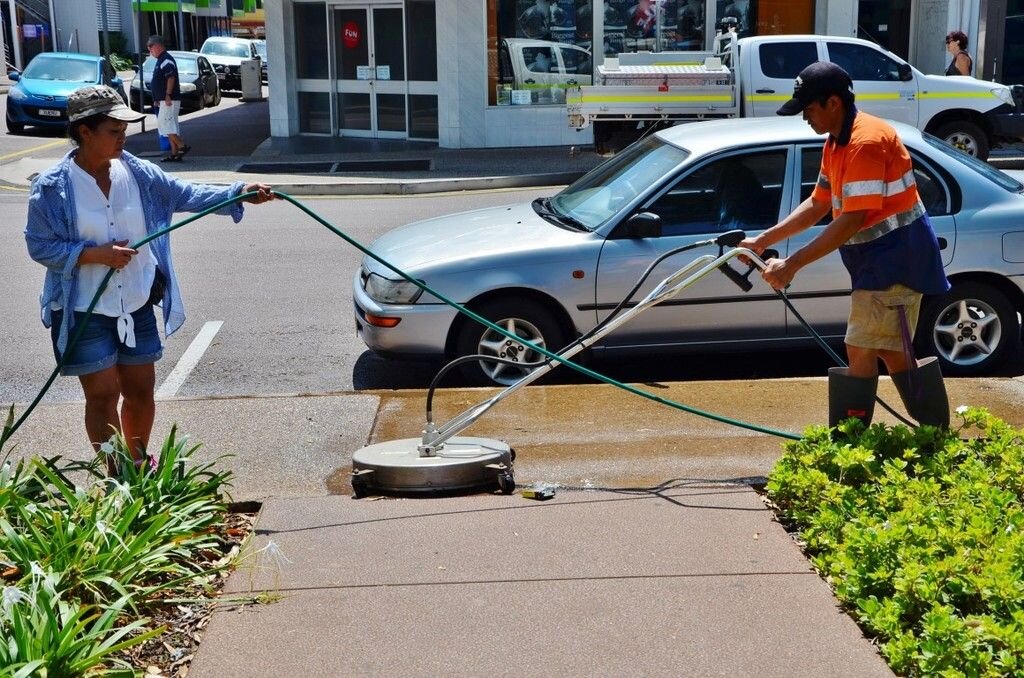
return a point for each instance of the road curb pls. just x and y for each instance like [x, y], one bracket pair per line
[386, 187]
[428, 186]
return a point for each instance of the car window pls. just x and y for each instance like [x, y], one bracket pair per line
[786, 59]
[738, 191]
[1003, 180]
[610, 187]
[576, 60]
[231, 49]
[66, 70]
[930, 187]
[863, 62]
[540, 60]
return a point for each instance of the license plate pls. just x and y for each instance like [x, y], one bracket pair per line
[49, 112]
[221, 76]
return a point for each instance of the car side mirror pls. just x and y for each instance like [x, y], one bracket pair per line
[643, 225]
[116, 82]
[14, 76]
[905, 72]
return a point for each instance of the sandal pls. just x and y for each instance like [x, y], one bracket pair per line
[172, 158]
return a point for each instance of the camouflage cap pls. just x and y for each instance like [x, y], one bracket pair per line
[96, 99]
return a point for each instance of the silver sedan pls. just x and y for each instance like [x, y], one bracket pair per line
[551, 269]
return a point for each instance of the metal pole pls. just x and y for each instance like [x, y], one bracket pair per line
[54, 41]
[182, 45]
[15, 35]
[106, 35]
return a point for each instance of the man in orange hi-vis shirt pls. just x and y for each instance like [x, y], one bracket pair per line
[883, 235]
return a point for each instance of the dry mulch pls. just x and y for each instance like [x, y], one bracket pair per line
[186, 612]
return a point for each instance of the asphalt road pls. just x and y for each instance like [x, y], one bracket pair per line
[280, 285]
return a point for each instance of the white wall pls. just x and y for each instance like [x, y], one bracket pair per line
[284, 114]
[80, 15]
[835, 17]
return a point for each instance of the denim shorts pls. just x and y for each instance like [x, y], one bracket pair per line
[99, 346]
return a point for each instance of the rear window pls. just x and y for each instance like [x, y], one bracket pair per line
[1004, 181]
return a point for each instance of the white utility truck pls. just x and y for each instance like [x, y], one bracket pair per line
[752, 77]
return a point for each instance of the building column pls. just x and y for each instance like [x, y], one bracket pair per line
[284, 107]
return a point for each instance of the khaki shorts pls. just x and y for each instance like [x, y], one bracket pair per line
[875, 319]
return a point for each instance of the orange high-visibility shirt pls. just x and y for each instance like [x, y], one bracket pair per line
[871, 173]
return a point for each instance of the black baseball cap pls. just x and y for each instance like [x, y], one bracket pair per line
[819, 80]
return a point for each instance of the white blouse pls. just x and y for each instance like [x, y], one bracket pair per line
[103, 219]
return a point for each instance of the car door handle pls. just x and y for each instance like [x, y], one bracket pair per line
[764, 91]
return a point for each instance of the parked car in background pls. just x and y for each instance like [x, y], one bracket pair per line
[227, 55]
[552, 269]
[200, 86]
[39, 96]
[261, 49]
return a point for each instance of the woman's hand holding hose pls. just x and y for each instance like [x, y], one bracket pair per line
[114, 254]
[263, 193]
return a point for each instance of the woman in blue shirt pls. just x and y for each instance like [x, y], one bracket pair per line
[82, 215]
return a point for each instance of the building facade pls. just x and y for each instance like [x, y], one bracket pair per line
[33, 26]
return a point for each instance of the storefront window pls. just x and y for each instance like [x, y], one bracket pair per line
[310, 41]
[537, 49]
[743, 12]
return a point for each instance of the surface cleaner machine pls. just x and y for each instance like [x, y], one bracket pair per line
[443, 461]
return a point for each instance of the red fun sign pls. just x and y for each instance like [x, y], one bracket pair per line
[350, 35]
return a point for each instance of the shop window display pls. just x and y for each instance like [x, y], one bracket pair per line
[538, 49]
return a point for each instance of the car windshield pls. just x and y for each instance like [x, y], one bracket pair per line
[231, 49]
[186, 66]
[605, 190]
[1005, 181]
[67, 70]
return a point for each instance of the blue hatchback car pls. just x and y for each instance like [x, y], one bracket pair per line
[39, 97]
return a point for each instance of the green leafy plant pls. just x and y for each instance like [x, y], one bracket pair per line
[921, 533]
[79, 562]
[45, 635]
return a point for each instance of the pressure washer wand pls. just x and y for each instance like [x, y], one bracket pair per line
[435, 437]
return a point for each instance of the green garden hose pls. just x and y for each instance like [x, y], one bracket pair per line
[9, 430]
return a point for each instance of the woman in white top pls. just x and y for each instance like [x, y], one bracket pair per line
[83, 213]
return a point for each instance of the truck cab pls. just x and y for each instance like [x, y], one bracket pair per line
[970, 114]
[543, 67]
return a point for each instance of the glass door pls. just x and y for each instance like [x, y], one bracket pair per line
[369, 71]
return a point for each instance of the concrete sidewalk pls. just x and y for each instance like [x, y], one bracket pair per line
[656, 557]
[669, 564]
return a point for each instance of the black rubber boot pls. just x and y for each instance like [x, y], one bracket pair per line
[850, 396]
[924, 393]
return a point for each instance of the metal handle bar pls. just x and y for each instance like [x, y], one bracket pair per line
[435, 437]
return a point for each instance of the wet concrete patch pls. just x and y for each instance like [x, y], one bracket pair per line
[599, 436]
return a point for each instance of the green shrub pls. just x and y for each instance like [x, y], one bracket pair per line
[77, 559]
[921, 534]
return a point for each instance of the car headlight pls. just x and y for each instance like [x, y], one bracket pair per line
[1003, 94]
[388, 291]
[17, 94]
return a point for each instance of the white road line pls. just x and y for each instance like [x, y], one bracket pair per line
[189, 360]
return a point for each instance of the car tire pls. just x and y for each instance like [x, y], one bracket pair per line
[15, 127]
[966, 136]
[216, 98]
[526, 318]
[972, 329]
